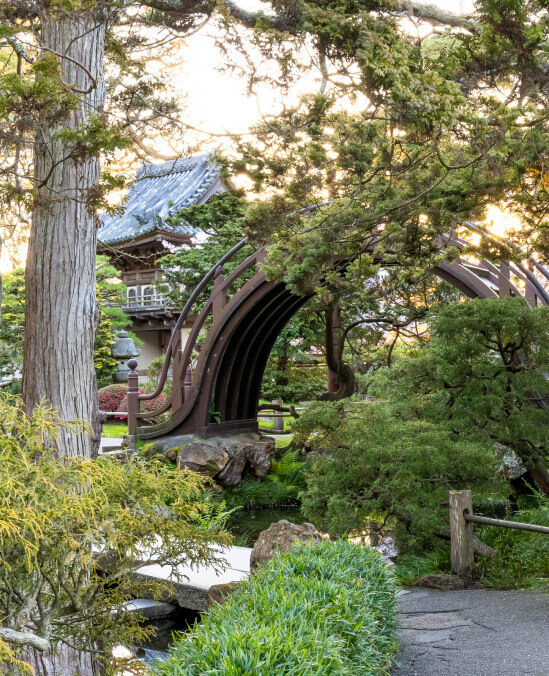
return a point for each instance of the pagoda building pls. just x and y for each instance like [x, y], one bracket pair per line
[135, 241]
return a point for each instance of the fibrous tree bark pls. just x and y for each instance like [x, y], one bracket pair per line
[61, 309]
[341, 378]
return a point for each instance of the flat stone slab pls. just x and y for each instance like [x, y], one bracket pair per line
[192, 590]
[109, 444]
[473, 633]
[148, 608]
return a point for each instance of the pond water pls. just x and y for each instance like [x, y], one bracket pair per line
[246, 524]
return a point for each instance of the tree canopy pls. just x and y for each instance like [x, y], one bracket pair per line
[483, 374]
[421, 118]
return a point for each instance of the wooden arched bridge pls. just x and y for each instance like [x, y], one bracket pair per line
[222, 395]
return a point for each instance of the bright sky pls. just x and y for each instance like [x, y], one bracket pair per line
[216, 101]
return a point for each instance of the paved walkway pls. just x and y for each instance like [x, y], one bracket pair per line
[474, 633]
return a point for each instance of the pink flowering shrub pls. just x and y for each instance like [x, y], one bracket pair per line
[150, 405]
[111, 397]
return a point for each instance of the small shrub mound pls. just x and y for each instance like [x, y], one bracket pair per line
[322, 608]
[111, 397]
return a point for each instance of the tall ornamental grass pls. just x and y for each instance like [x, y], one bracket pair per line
[323, 608]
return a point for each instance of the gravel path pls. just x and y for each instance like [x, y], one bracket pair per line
[473, 633]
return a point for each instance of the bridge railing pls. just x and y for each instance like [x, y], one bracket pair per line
[180, 360]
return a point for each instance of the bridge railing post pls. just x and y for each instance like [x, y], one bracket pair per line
[133, 401]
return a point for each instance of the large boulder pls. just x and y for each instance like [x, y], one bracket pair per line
[202, 458]
[260, 456]
[224, 458]
[257, 454]
[232, 472]
[280, 537]
[218, 593]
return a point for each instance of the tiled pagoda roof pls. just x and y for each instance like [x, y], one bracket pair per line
[158, 192]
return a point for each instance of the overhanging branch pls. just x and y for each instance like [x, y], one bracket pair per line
[23, 638]
[289, 23]
[433, 14]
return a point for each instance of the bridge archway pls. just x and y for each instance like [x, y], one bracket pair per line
[223, 394]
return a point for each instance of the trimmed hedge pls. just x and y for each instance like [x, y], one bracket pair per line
[322, 608]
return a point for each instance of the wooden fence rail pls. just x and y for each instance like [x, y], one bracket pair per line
[461, 529]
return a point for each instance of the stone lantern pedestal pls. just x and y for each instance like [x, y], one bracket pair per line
[123, 350]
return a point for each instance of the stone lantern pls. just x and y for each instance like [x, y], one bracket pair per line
[122, 350]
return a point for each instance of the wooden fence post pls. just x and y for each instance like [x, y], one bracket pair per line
[278, 423]
[461, 532]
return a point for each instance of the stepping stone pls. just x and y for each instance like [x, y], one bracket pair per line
[434, 621]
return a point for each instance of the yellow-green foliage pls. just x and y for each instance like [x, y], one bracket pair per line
[61, 521]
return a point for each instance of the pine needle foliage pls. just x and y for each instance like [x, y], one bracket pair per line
[387, 471]
[483, 374]
[322, 608]
[73, 532]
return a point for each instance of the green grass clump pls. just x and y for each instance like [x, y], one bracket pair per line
[410, 567]
[283, 442]
[114, 431]
[523, 557]
[323, 608]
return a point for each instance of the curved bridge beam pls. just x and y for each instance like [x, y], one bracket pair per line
[222, 395]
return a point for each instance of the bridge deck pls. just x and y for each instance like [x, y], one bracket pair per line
[192, 592]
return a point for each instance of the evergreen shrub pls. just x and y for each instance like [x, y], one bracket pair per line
[322, 608]
[302, 383]
[523, 557]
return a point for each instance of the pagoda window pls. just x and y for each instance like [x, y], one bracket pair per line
[148, 295]
[132, 295]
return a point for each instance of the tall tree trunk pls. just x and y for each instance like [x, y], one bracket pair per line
[538, 472]
[64, 662]
[61, 311]
[281, 369]
[341, 379]
[333, 347]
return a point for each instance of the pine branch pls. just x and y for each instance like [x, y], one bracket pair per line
[433, 14]
[19, 49]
